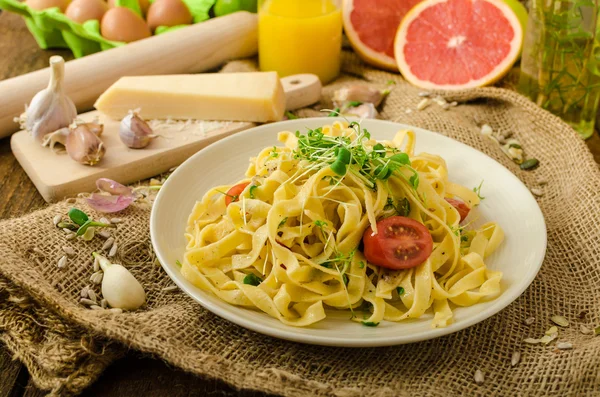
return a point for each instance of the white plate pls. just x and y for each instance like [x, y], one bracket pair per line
[507, 201]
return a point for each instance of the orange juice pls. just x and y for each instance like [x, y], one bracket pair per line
[300, 36]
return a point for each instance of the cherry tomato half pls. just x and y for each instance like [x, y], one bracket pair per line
[401, 243]
[233, 194]
[462, 208]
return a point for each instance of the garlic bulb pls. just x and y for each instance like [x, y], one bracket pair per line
[119, 287]
[84, 146]
[50, 109]
[134, 132]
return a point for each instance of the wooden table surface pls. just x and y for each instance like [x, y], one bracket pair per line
[135, 374]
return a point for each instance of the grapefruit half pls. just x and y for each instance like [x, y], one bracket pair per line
[457, 44]
[371, 27]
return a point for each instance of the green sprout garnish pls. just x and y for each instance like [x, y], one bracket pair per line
[478, 191]
[320, 223]
[354, 104]
[283, 221]
[251, 191]
[252, 279]
[290, 115]
[400, 291]
[274, 153]
[334, 113]
[369, 323]
[361, 265]
[178, 263]
[80, 218]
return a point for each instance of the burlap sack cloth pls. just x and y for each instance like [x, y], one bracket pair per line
[66, 346]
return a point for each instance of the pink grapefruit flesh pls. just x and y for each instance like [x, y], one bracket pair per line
[371, 27]
[457, 44]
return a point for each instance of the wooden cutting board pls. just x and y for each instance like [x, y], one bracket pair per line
[57, 176]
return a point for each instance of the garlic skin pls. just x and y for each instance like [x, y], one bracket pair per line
[134, 132]
[119, 287]
[360, 92]
[363, 111]
[50, 109]
[84, 146]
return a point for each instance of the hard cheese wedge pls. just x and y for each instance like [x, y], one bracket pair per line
[257, 97]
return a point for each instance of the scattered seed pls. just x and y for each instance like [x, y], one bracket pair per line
[62, 262]
[516, 357]
[423, 104]
[71, 200]
[585, 330]
[537, 191]
[529, 164]
[96, 307]
[170, 288]
[542, 181]
[530, 320]
[108, 243]
[597, 331]
[104, 220]
[424, 94]
[98, 278]
[155, 182]
[56, 219]
[486, 130]
[68, 250]
[71, 236]
[93, 276]
[116, 220]
[103, 303]
[548, 338]
[96, 264]
[92, 295]
[552, 330]
[564, 345]
[532, 341]
[560, 320]
[113, 250]
[479, 379]
[453, 103]
[440, 101]
[104, 234]
[115, 310]
[87, 302]
[84, 291]
[408, 111]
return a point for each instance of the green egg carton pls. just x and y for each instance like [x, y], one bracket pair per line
[52, 29]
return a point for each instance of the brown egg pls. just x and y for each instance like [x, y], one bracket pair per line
[122, 24]
[43, 4]
[84, 10]
[144, 4]
[168, 13]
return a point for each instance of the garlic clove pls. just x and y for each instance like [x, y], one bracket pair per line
[95, 127]
[119, 287]
[134, 132]
[84, 146]
[50, 109]
[360, 92]
[363, 111]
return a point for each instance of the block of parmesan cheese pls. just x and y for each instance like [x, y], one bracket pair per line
[256, 96]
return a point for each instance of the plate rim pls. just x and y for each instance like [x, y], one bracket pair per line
[288, 333]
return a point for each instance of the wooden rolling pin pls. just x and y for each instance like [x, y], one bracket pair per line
[193, 49]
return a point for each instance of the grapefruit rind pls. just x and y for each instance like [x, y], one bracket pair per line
[496, 74]
[370, 56]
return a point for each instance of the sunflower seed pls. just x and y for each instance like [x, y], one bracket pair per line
[560, 320]
[62, 262]
[108, 243]
[537, 191]
[71, 236]
[585, 330]
[103, 303]
[104, 234]
[170, 288]
[96, 307]
[423, 104]
[113, 250]
[424, 94]
[115, 310]
[84, 291]
[479, 379]
[564, 345]
[87, 302]
[68, 250]
[92, 295]
[516, 357]
[56, 219]
[542, 181]
[531, 341]
[116, 220]
[453, 103]
[529, 321]
[408, 111]
[97, 278]
[96, 264]
[104, 220]
[440, 101]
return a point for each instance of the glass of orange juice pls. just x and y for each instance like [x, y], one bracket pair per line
[300, 36]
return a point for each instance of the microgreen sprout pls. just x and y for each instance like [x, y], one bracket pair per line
[80, 218]
[178, 263]
[320, 223]
[252, 279]
[274, 152]
[361, 265]
[354, 104]
[400, 291]
[334, 113]
[369, 323]
[478, 191]
[290, 115]
[251, 191]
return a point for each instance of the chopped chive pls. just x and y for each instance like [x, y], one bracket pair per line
[178, 263]
[251, 191]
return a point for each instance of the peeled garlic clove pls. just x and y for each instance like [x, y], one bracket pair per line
[359, 92]
[119, 287]
[135, 132]
[50, 109]
[84, 146]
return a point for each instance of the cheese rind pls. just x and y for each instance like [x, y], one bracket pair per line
[256, 96]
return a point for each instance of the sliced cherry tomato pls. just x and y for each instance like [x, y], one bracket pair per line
[233, 194]
[401, 243]
[462, 208]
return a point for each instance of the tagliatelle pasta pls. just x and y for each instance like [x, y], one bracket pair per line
[288, 242]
